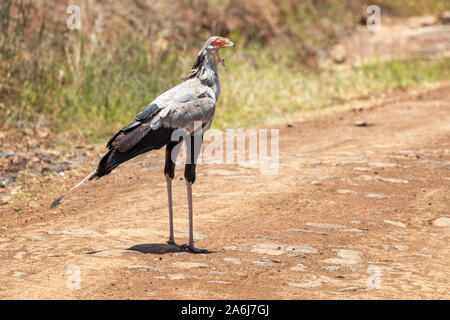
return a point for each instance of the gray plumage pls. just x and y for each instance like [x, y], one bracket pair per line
[193, 100]
[178, 108]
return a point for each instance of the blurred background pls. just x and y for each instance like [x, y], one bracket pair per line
[59, 85]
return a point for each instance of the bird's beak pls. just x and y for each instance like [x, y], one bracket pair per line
[227, 44]
[230, 44]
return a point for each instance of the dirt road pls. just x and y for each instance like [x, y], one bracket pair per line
[354, 212]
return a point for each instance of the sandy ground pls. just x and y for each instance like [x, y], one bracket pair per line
[354, 212]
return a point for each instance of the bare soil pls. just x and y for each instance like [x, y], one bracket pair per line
[354, 212]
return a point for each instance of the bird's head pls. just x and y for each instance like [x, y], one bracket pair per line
[214, 44]
[210, 54]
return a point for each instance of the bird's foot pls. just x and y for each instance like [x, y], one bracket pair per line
[171, 241]
[193, 249]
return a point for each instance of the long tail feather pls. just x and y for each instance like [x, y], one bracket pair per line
[58, 201]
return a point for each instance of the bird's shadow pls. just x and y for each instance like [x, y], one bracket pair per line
[162, 248]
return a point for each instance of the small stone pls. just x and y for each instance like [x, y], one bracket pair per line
[5, 199]
[445, 165]
[19, 255]
[345, 276]
[219, 273]
[266, 238]
[395, 223]
[298, 267]
[308, 231]
[349, 289]
[400, 247]
[268, 251]
[393, 180]
[352, 230]
[346, 191]
[345, 257]
[376, 195]
[35, 237]
[218, 281]
[301, 255]
[142, 268]
[309, 284]
[262, 263]
[334, 246]
[382, 165]
[190, 265]
[324, 225]
[351, 268]
[429, 256]
[18, 274]
[59, 167]
[233, 260]
[276, 261]
[237, 248]
[442, 222]
[270, 246]
[301, 249]
[331, 268]
[179, 276]
[360, 123]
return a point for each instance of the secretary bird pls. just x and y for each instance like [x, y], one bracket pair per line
[188, 107]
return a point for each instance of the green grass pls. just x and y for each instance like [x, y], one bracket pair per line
[94, 88]
[96, 92]
[255, 95]
[104, 93]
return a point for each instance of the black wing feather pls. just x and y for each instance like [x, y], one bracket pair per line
[153, 140]
[136, 138]
[145, 115]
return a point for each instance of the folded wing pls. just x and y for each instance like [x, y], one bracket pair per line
[153, 127]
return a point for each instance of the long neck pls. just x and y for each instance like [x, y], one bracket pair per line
[205, 68]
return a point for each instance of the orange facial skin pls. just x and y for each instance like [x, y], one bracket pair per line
[221, 42]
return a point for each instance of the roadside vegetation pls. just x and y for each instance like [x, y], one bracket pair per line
[94, 80]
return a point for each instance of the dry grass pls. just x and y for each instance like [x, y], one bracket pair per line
[94, 80]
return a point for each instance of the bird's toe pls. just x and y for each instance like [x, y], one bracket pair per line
[197, 250]
[193, 249]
